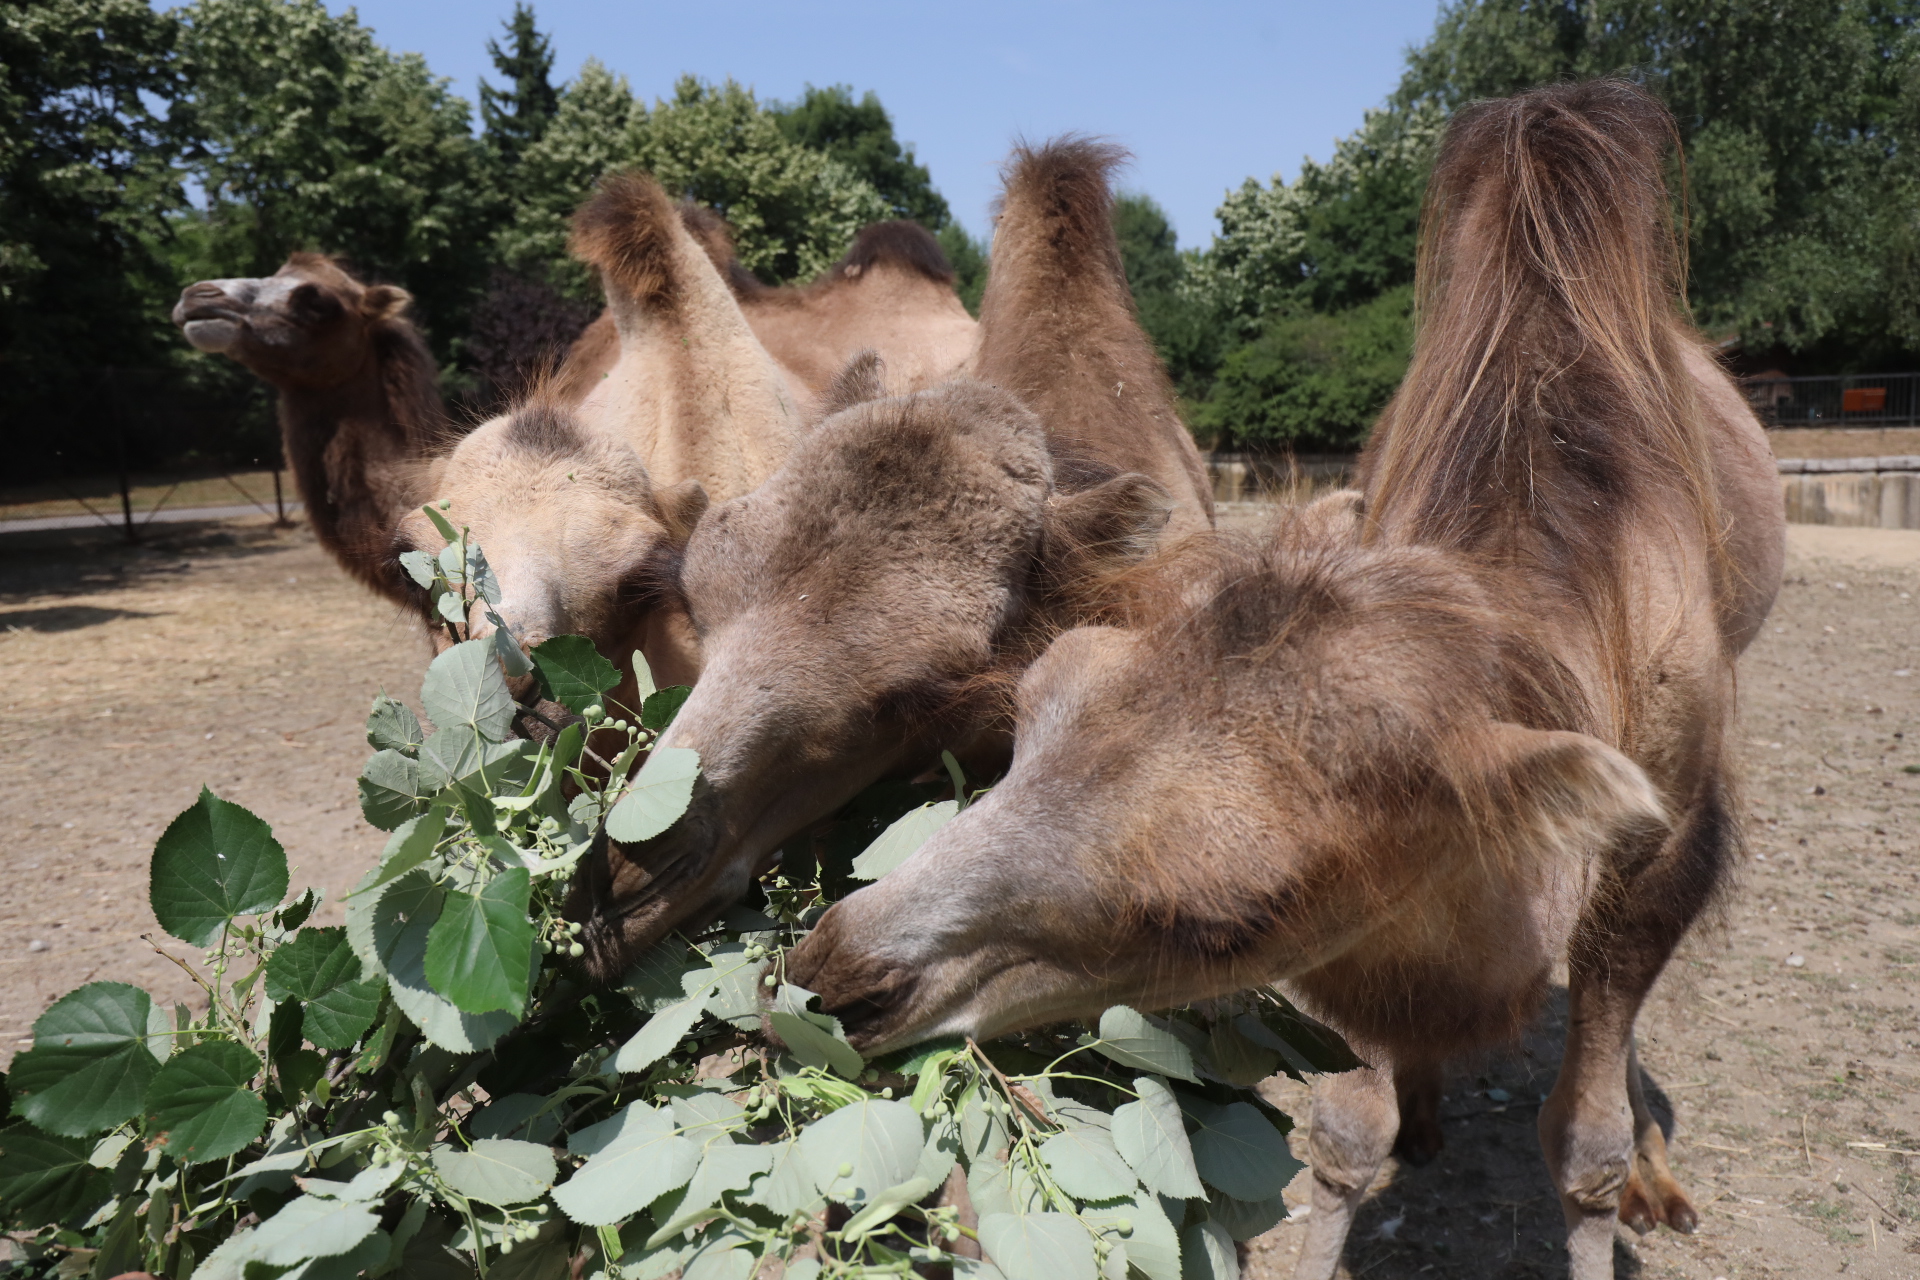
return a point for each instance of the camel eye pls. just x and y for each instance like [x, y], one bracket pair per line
[312, 300]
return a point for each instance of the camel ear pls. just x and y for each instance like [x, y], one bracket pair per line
[863, 379]
[1114, 523]
[681, 508]
[1567, 795]
[385, 301]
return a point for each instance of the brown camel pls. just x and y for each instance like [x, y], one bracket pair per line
[869, 604]
[360, 409]
[1404, 765]
[892, 293]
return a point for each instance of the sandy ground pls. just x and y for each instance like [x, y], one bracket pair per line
[240, 657]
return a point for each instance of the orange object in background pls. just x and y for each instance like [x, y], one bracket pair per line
[1863, 400]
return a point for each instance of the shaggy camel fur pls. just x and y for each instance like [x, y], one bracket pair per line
[360, 407]
[892, 293]
[870, 604]
[1404, 755]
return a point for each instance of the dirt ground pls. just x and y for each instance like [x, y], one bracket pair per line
[239, 657]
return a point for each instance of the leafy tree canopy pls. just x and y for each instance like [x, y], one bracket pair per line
[860, 136]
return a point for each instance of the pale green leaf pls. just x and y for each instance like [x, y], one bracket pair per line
[411, 844]
[312, 1227]
[788, 1187]
[390, 789]
[392, 726]
[403, 915]
[1086, 1165]
[1131, 1040]
[497, 1170]
[1153, 1244]
[880, 1139]
[659, 794]
[726, 1166]
[898, 841]
[637, 1163]
[464, 687]
[661, 1035]
[1244, 1220]
[1207, 1253]
[1038, 1246]
[1151, 1136]
[1238, 1150]
[881, 1209]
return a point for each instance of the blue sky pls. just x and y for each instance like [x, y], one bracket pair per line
[1204, 94]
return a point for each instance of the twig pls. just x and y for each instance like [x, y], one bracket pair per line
[1805, 1146]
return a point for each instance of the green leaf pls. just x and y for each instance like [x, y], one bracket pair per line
[653, 982]
[91, 1061]
[480, 950]
[899, 840]
[816, 1039]
[1242, 1219]
[214, 862]
[421, 567]
[458, 757]
[203, 1105]
[1152, 1137]
[881, 1139]
[1153, 1245]
[634, 1162]
[659, 794]
[312, 1227]
[661, 1035]
[1237, 1150]
[572, 672]
[47, 1180]
[727, 1166]
[643, 684]
[1132, 1041]
[1236, 1059]
[1306, 1044]
[391, 790]
[662, 705]
[788, 1188]
[1086, 1165]
[464, 688]
[392, 726]
[441, 523]
[497, 1170]
[1207, 1253]
[881, 1209]
[411, 844]
[518, 1115]
[318, 968]
[401, 922]
[1038, 1246]
[513, 659]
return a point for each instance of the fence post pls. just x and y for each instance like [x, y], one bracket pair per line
[118, 401]
[279, 505]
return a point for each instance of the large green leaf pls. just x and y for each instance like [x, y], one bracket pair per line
[1132, 1041]
[726, 1166]
[480, 950]
[202, 1104]
[411, 844]
[572, 671]
[312, 1227]
[402, 917]
[459, 757]
[635, 1158]
[464, 687]
[1152, 1137]
[1153, 1245]
[1239, 1151]
[877, 1141]
[1207, 1253]
[662, 1034]
[1038, 1246]
[662, 705]
[1084, 1161]
[885, 1206]
[497, 1170]
[91, 1061]
[898, 841]
[214, 862]
[47, 1180]
[788, 1187]
[391, 790]
[1306, 1044]
[392, 726]
[319, 969]
[1243, 1219]
[659, 794]
[816, 1039]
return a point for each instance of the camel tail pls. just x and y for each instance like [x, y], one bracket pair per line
[1547, 398]
[626, 230]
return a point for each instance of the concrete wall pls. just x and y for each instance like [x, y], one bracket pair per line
[1872, 493]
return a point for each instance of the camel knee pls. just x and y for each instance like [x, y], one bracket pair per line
[1589, 1151]
[1355, 1118]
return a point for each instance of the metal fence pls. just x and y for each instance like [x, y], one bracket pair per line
[1843, 400]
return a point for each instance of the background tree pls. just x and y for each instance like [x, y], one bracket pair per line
[860, 136]
[514, 118]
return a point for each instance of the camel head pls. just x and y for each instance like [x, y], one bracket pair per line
[853, 613]
[575, 530]
[308, 325]
[1307, 766]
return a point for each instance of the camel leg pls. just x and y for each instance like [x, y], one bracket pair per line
[1653, 1194]
[1590, 1127]
[1418, 1087]
[1355, 1118]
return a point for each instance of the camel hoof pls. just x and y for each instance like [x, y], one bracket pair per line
[1679, 1213]
[1637, 1209]
[1418, 1141]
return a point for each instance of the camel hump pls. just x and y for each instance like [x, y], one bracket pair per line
[900, 243]
[626, 231]
[1062, 191]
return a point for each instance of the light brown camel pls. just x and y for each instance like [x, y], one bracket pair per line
[1404, 769]
[891, 293]
[870, 604]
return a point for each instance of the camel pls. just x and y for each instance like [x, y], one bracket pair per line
[1405, 756]
[891, 293]
[571, 527]
[870, 603]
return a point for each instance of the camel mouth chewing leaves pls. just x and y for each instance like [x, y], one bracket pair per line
[211, 334]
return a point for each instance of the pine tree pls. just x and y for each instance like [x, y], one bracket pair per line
[515, 117]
